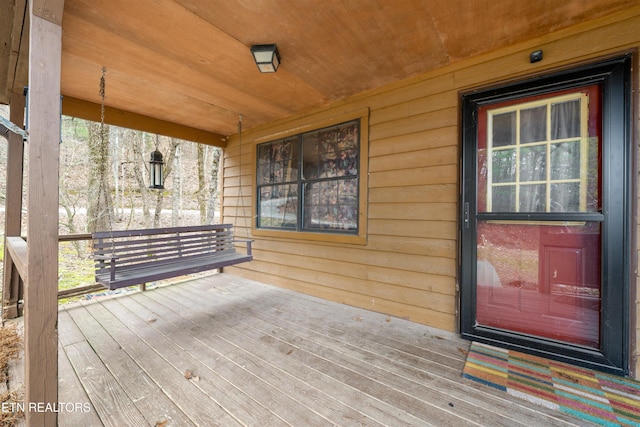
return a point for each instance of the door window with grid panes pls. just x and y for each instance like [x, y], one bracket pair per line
[537, 151]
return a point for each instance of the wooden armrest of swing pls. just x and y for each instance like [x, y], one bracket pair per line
[112, 263]
[247, 241]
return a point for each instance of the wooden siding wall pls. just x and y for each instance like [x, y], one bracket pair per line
[408, 267]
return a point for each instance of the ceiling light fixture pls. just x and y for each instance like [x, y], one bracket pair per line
[266, 56]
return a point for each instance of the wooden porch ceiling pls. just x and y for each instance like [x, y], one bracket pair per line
[187, 62]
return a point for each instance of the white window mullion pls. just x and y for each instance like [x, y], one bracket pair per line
[517, 184]
[490, 163]
[584, 150]
[548, 160]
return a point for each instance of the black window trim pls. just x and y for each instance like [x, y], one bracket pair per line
[300, 182]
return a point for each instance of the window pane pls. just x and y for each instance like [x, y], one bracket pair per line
[533, 124]
[331, 152]
[331, 205]
[277, 162]
[533, 198]
[504, 129]
[565, 120]
[504, 199]
[278, 206]
[328, 181]
[542, 280]
[532, 156]
[565, 197]
[594, 200]
[503, 166]
[565, 160]
[533, 163]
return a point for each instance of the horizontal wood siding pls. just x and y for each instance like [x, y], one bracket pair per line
[408, 266]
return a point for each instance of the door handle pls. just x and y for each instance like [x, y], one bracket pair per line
[466, 215]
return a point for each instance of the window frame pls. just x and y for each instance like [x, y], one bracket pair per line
[356, 237]
[547, 143]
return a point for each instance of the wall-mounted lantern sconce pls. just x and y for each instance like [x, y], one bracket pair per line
[266, 56]
[156, 180]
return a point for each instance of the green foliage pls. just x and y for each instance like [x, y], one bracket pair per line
[69, 279]
[73, 270]
[74, 128]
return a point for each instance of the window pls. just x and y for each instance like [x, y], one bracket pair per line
[536, 152]
[310, 181]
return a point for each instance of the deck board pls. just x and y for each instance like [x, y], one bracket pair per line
[70, 388]
[395, 381]
[109, 400]
[138, 387]
[339, 362]
[71, 391]
[275, 369]
[211, 368]
[438, 372]
[269, 356]
[167, 374]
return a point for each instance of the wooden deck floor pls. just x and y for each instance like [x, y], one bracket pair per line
[264, 356]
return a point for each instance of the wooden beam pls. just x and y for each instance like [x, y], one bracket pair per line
[17, 248]
[14, 36]
[90, 111]
[15, 160]
[41, 286]
[80, 290]
[12, 289]
[7, 13]
[50, 10]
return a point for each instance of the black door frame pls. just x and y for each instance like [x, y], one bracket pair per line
[614, 76]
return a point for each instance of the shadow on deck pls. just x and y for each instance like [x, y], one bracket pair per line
[223, 350]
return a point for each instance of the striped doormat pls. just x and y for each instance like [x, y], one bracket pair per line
[593, 396]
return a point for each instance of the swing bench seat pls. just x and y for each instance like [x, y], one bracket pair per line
[137, 257]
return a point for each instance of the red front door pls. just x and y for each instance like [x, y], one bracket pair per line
[540, 155]
[546, 232]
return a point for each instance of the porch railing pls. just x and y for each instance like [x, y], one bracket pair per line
[16, 274]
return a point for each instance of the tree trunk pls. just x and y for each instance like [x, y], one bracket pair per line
[70, 210]
[137, 147]
[176, 192]
[213, 186]
[100, 205]
[201, 194]
[167, 169]
[72, 151]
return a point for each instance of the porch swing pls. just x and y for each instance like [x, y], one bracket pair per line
[136, 257]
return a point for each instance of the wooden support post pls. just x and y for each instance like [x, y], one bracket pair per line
[41, 286]
[12, 288]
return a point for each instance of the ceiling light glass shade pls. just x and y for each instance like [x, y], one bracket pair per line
[266, 56]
